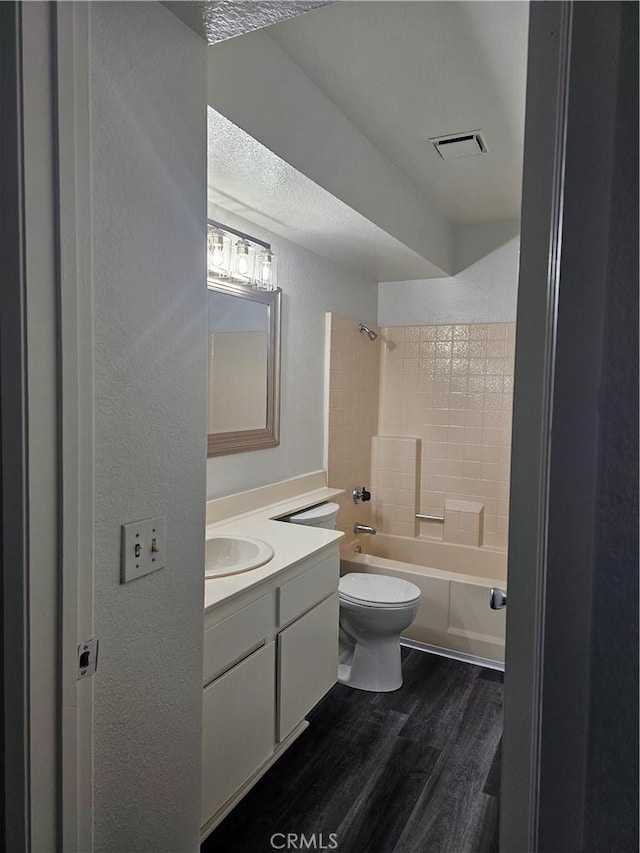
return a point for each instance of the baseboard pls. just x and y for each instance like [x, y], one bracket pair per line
[487, 663]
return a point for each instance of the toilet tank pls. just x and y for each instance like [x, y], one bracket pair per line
[324, 515]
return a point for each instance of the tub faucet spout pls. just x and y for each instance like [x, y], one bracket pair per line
[363, 528]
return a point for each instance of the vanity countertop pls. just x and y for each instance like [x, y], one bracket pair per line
[291, 542]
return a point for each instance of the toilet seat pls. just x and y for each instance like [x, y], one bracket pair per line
[377, 591]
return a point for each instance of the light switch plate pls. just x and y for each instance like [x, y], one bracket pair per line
[142, 548]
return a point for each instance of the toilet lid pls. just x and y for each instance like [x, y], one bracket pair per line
[316, 514]
[377, 590]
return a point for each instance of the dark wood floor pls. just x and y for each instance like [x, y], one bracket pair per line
[415, 770]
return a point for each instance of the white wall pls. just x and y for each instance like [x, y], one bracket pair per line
[483, 291]
[311, 286]
[148, 94]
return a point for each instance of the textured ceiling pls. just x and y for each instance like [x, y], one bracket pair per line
[223, 19]
[246, 178]
[406, 71]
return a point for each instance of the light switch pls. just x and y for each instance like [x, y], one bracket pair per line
[142, 548]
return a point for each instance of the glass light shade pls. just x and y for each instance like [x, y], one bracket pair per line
[243, 261]
[218, 253]
[265, 272]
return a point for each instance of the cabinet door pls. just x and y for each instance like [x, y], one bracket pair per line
[238, 727]
[308, 663]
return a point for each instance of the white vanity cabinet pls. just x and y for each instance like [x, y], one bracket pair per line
[238, 718]
[270, 654]
[307, 663]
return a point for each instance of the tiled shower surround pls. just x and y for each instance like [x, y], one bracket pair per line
[353, 414]
[451, 387]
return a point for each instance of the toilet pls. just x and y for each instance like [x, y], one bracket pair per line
[325, 515]
[374, 611]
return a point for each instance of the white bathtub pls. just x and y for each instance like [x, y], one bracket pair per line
[455, 580]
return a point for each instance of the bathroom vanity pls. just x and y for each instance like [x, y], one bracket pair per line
[270, 650]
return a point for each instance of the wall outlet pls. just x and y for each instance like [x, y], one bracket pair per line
[142, 548]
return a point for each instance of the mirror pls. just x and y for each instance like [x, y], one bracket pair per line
[244, 368]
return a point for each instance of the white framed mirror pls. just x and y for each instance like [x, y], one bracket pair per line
[243, 368]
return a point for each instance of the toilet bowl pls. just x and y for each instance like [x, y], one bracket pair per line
[374, 610]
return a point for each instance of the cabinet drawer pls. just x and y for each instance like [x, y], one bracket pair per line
[234, 637]
[308, 588]
[307, 663]
[238, 728]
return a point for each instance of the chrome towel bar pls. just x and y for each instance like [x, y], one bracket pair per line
[424, 517]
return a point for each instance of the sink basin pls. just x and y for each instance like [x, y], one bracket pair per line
[230, 555]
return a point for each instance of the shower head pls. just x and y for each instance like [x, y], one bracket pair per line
[365, 331]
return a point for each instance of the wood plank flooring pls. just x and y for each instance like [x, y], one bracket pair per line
[414, 771]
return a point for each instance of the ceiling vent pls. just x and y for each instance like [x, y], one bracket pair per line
[456, 145]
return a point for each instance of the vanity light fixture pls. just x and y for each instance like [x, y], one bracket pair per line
[265, 270]
[235, 256]
[218, 252]
[243, 261]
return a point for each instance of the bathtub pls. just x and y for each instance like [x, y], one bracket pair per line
[454, 616]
